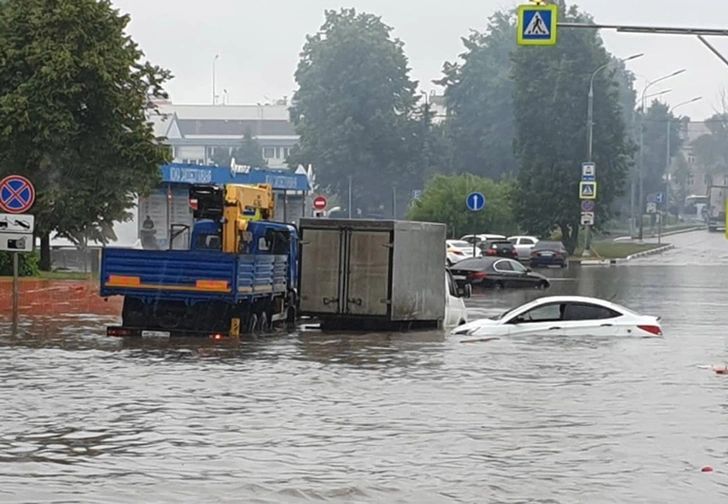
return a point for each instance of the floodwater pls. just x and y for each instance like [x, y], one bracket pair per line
[407, 418]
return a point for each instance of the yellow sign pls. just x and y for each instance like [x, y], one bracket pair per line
[537, 25]
[587, 190]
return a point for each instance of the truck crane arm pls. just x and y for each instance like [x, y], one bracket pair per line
[233, 207]
[244, 203]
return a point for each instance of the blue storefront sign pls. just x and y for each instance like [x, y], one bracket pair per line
[280, 180]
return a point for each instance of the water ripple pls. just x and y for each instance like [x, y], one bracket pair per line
[405, 418]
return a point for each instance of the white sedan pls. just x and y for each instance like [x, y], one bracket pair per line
[565, 316]
[457, 250]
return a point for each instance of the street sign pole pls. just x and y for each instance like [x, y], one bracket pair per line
[17, 196]
[16, 294]
[475, 203]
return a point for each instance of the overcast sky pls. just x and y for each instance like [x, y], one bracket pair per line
[259, 42]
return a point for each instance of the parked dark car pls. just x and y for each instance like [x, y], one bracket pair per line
[497, 272]
[549, 253]
[499, 248]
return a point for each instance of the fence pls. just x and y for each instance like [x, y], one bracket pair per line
[56, 297]
[77, 260]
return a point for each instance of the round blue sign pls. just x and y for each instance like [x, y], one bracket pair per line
[475, 201]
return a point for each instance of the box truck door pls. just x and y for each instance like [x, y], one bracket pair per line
[320, 276]
[369, 273]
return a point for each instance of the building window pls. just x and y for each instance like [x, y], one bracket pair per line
[269, 152]
[691, 159]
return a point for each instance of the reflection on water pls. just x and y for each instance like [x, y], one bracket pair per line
[391, 418]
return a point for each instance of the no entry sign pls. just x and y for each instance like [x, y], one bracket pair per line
[319, 203]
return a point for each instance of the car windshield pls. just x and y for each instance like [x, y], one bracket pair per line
[550, 245]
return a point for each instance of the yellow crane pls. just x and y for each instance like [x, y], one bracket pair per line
[243, 203]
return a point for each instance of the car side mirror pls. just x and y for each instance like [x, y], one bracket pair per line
[529, 270]
[465, 291]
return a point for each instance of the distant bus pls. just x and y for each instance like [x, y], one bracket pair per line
[696, 204]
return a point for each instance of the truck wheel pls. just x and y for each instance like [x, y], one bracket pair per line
[263, 323]
[252, 327]
[291, 315]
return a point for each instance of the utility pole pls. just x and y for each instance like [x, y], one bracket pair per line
[590, 132]
[214, 85]
[641, 207]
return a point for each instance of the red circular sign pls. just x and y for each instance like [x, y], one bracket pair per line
[319, 203]
[17, 194]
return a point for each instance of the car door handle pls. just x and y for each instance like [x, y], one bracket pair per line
[607, 325]
[554, 328]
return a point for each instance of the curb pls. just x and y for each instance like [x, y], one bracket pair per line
[614, 262]
[670, 233]
[658, 250]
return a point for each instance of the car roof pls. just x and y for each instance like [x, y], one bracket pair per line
[577, 299]
[523, 236]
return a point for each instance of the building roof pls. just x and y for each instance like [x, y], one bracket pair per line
[233, 112]
[234, 127]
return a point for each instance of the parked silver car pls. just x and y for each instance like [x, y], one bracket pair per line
[524, 245]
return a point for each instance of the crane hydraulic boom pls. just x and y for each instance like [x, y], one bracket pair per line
[233, 206]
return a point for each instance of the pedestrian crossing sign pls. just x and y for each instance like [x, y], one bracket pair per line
[587, 190]
[537, 24]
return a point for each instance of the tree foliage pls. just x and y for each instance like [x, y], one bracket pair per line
[654, 157]
[550, 106]
[74, 97]
[479, 97]
[354, 110]
[248, 153]
[443, 200]
[711, 150]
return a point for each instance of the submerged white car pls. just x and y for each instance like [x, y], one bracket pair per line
[565, 316]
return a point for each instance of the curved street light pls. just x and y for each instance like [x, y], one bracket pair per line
[590, 128]
[590, 109]
[669, 157]
[642, 157]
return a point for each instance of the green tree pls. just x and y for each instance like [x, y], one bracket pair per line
[550, 105]
[74, 101]
[354, 109]
[248, 153]
[711, 150]
[443, 200]
[479, 97]
[654, 145]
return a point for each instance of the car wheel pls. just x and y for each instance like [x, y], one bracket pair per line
[499, 286]
[543, 285]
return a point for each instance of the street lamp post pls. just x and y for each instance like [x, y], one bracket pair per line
[642, 157]
[214, 90]
[669, 158]
[632, 189]
[590, 128]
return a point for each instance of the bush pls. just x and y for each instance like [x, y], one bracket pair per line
[443, 200]
[28, 264]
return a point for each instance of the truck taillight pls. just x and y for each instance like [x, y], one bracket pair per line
[119, 332]
[193, 203]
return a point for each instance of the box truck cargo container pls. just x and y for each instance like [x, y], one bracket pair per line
[372, 274]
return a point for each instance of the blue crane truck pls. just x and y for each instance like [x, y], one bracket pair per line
[238, 276]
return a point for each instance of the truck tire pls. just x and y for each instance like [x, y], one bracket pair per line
[264, 325]
[252, 326]
[291, 315]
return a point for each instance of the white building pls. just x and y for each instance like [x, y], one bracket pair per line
[196, 132]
